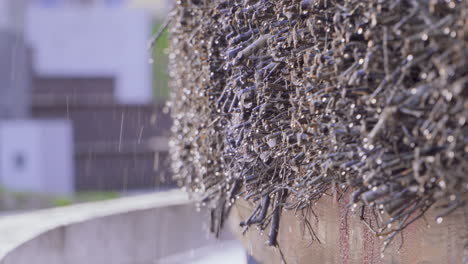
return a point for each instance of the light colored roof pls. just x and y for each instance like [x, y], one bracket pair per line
[159, 8]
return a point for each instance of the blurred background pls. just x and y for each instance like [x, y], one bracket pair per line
[83, 119]
[81, 101]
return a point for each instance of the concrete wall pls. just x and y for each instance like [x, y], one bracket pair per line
[12, 15]
[137, 230]
[15, 75]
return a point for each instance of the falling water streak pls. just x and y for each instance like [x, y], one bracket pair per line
[121, 132]
[68, 108]
[140, 135]
[156, 161]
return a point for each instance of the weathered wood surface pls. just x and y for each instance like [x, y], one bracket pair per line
[344, 238]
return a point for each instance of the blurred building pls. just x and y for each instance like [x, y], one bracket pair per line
[82, 64]
[158, 8]
[35, 155]
[103, 39]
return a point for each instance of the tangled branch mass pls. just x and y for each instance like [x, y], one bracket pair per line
[281, 102]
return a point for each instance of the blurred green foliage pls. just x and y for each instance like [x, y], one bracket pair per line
[85, 197]
[61, 201]
[21, 200]
[95, 196]
[160, 61]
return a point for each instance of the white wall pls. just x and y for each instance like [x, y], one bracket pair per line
[37, 156]
[94, 41]
[19, 141]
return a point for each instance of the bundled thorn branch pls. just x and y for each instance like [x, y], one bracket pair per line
[281, 102]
